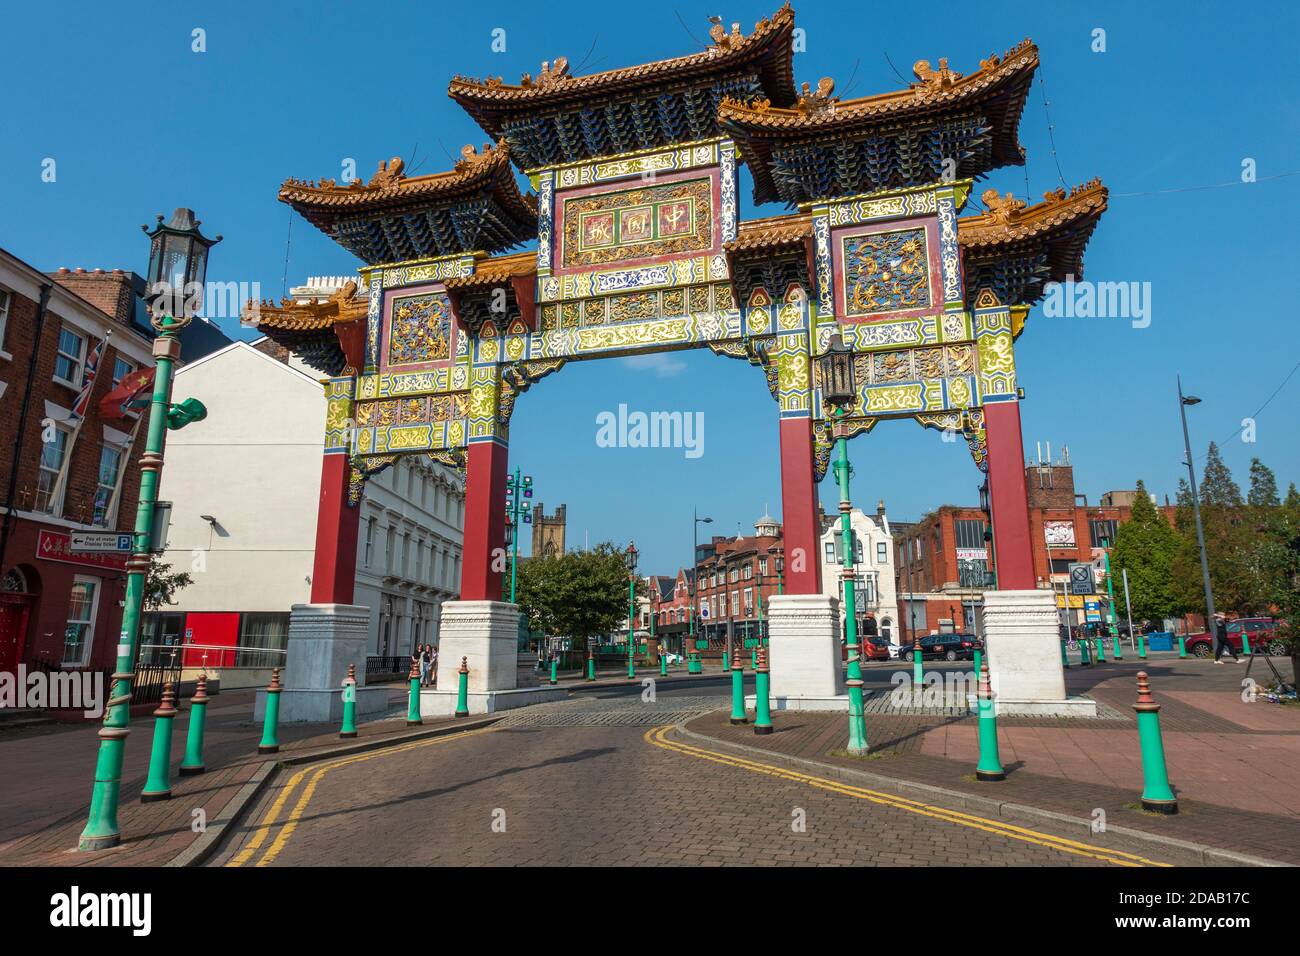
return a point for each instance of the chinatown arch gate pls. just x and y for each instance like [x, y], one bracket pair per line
[640, 249]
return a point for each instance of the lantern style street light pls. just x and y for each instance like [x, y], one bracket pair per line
[517, 512]
[177, 249]
[629, 562]
[839, 389]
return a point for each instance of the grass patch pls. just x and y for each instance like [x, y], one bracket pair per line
[871, 755]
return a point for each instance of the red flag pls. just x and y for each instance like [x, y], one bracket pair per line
[114, 405]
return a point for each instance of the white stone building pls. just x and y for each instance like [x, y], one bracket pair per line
[873, 563]
[244, 485]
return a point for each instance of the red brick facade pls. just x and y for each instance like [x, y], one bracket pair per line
[38, 570]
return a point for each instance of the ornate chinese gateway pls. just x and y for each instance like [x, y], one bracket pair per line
[640, 248]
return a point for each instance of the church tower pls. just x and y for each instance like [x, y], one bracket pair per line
[548, 532]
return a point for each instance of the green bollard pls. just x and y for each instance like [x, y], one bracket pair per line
[1101, 651]
[1182, 646]
[762, 703]
[738, 693]
[1142, 646]
[158, 786]
[349, 728]
[1085, 659]
[725, 665]
[591, 668]
[990, 765]
[663, 664]
[918, 667]
[462, 688]
[631, 667]
[270, 741]
[979, 659]
[1119, 653]
[555, 665]
[1245, 642]
[413, 717]
[753, 657]
[193, 762]
[1157, 795]
[1065, 657]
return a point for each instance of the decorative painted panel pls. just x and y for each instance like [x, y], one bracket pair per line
[419, 329]
[639, 223]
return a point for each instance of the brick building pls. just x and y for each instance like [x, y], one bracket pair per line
[942, 561]
[66, 472]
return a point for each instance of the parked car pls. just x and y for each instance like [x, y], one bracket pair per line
[1262, 632]
[949, 647]
[875, 647]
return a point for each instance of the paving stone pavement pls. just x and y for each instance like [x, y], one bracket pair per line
[582, 783]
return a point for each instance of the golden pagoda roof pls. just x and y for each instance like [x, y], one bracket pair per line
[997, 90]
[292, 316]
[771, 233]
[495, 271]
[766, 51]
[1009, 220]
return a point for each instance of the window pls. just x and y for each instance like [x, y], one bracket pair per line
[370, 542]
[6, 299]
[51, 465]
[749, 571]
[749, 601]
[831, 551]
[762, 566]
[882, 553]
[969, 532]
[80, 630]
[110, 467]
[390, 534]
[419, 561]
[406, 552]
[1102, 529]
[67, 363]
[121, 368]
[735, 603]
[261, 638]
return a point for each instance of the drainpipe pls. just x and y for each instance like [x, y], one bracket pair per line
[7, 523]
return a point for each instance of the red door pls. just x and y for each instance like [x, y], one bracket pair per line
[13, 629]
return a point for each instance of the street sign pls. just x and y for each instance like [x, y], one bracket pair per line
[101, 542]
[704, 613]
[1092, 611]
[1081, 579]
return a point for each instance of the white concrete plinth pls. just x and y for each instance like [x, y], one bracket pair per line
[323, 640]
[840, 703]
[1022, 633]
[486, 634]
[442, 703]
[804, 652]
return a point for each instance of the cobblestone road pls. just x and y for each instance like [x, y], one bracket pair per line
[590, 781]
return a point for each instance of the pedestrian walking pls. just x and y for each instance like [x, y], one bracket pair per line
[425, 663]
[1221, 640]
[433, 665]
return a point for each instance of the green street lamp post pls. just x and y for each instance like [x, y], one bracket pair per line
[518, 510]
[629, 562]
[1183, 402]
[1110, 595]
[690, 583]
[838, 389]
[178, 257]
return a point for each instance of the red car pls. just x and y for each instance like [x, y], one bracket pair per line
[1261, 631]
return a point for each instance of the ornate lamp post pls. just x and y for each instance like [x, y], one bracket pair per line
[839, 390]
[517, 487]
[629, 562]
[695, 565]
[178, 257]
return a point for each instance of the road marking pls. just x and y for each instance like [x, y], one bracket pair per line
[290, 824]
[658, 737]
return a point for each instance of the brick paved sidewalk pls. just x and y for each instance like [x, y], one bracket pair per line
[1234, 765]
[46, 799]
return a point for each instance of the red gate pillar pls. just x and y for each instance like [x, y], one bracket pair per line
[1012, 542]
[334, 571]
[801, 527]
[485, 520]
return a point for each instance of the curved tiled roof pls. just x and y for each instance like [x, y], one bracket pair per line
[767, 50]
[496, 271]
[1009, 220]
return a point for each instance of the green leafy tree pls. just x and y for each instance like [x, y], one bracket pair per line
[1145, 547]
[1218, 489]
[1292, 497]
[161, 585]
[580, 594]
[1263, 486]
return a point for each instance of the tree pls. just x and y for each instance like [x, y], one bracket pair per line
[1145, 547]
[1217, 485]
[1292, 496]
[1263, 486]
[160, 585]
[580, 594]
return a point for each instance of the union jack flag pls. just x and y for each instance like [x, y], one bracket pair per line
[88, 380]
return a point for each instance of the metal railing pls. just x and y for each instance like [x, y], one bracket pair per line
[380, 669]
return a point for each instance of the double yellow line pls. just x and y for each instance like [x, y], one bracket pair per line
[658, 737]
[270, 820]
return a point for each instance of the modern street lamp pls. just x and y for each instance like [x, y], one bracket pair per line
[695, 566]
[839, 390]
[1183, 402]
[177, 251]
[629, 562]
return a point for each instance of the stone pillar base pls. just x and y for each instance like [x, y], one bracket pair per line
[323, 640]
[804, 652]
[487, 634]
[1024, 654]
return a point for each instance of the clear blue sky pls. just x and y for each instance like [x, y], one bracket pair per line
[139, 124]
